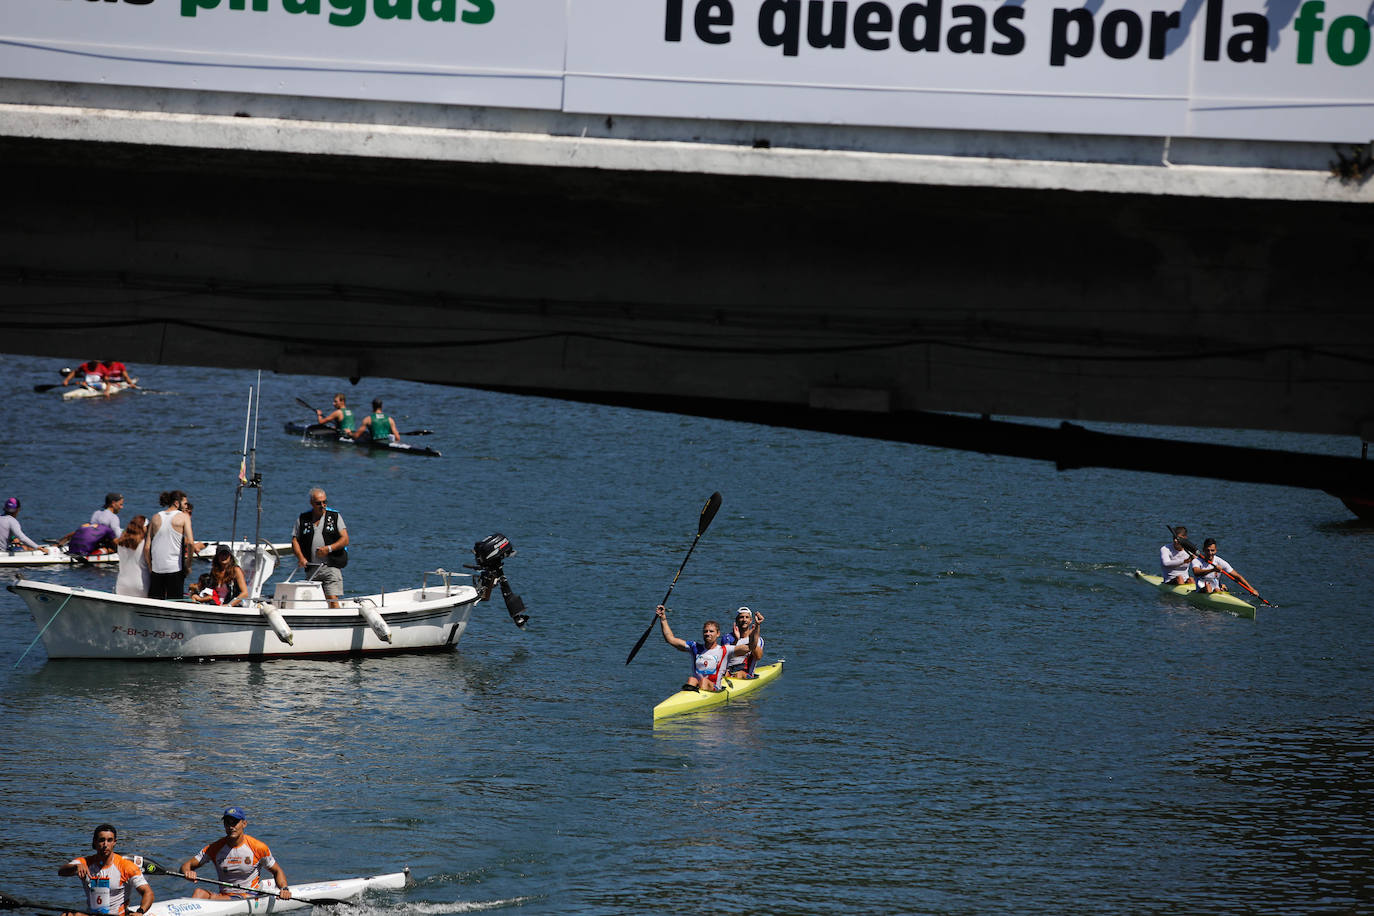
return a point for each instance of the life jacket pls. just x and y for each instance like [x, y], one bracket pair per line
[337, 558]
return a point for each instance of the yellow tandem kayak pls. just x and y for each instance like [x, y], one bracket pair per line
[1219, 601]
[685, 701]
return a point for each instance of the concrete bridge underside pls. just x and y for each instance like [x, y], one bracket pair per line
[857, 307]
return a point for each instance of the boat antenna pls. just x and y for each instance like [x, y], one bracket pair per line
[243, 469]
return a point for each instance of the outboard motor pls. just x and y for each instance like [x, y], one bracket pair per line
[491, 552]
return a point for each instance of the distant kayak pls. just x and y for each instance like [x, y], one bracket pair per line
[685, 701]
[1216, 601]
[319, 432]
[78, 393]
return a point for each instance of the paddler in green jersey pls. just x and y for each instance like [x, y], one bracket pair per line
[378, 425]
[341, 415]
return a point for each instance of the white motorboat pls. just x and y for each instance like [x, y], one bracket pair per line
[295, 621]
[302, 896]
[57, 556]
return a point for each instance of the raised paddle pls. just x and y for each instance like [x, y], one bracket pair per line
[1192, 551]
[708, 512]
[153, 868]
[9, 902]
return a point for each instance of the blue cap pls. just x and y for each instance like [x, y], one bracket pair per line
[236, 813]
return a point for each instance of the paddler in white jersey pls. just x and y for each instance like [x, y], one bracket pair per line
[1174, 560]
[1207, 569]
[710, 656]
[108, 875]
[238, 859]
[742, 666]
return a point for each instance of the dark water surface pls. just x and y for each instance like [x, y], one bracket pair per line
[982, 712]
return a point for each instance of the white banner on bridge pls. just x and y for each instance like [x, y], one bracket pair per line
[1246, 69]
[467, 52]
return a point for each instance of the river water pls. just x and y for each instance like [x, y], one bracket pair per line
[981, 712]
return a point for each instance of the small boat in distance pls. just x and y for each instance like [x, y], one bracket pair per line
[57, 556]
[325, 434]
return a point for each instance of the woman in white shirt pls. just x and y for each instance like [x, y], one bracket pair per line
[133, 569]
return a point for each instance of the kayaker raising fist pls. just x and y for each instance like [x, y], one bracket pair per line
[710, 656]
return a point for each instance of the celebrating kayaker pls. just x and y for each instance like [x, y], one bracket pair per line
[108, 875]
[1207, 568]
[12, 537]
[742, 666]
[377, 425]
[710, 656]
[238, 859]
[1175, 560]
[341, 416]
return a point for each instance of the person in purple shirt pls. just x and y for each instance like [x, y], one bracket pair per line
[89, 539]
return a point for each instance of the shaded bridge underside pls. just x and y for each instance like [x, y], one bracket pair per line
[860, 308]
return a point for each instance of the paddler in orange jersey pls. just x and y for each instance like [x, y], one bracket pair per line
[107, 876]
[710, 656]
[238, 859]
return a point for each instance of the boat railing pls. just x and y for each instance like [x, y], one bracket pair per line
[448, 583]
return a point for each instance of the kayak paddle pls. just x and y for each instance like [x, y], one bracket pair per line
[1192, 551]
[42, 388]
[152, 868]
[708, 512]
[8, 902]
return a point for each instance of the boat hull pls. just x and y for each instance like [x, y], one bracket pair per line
[84, 623]
[60, 557]
[301, 897]
[317, 433]
[1216, 601]
[685, 701]
[80, 394]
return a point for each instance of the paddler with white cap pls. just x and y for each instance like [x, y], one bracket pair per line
[747, 623]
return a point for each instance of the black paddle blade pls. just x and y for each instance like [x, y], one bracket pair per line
[1183, 542]
[152, 868]
[635, 651]
[42, 388]
[708, 512]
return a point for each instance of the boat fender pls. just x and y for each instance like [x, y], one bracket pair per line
[374, 620]
[277, 622]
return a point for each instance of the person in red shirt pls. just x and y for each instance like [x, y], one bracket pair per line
[108, 875]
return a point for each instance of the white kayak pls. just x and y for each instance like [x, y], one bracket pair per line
[57, 556]
[75, 394]
[302, 895]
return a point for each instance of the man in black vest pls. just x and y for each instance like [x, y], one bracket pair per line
[320, 541]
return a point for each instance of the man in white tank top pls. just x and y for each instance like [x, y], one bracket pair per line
[167, 546]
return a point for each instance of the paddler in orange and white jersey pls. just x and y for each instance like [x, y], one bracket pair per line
[108, 875]
[710, 656]
[238, 858]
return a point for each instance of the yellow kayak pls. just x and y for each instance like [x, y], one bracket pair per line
[690, 701]
[1218, 601]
